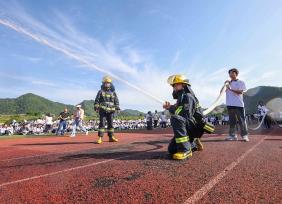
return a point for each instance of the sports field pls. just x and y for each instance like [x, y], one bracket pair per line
[138, 169]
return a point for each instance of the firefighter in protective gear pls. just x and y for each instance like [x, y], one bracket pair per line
[187, 120]
[198, 126]
[180, 147]
[106, 104]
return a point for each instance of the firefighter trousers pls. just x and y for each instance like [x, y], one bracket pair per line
[106, 117]
[180, 142]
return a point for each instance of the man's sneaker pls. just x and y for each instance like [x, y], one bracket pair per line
[200, 146]
[231, 138]
[246, 138]
[182, 155]
[86, 133]
[72, 135]
[99, 141]
[113, 139]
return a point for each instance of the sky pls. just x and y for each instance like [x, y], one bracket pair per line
[142, 42]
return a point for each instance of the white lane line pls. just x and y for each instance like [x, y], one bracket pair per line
[62, 171]
[207, 187]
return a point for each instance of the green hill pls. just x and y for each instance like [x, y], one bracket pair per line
[221, 109]
[32, 104]
[88, 106]
[35, 105]
[130, 112]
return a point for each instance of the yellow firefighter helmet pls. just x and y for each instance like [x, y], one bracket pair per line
[177, 79]
[107, 79]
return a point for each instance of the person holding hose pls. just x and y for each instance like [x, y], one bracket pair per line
[186, 119]
[235, 106]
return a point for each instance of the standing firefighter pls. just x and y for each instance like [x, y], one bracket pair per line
[106, 103]
[187, 119]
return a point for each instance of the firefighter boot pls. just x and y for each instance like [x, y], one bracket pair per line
[200, 146]
[182, 155]
[113, 139]
[99, 141]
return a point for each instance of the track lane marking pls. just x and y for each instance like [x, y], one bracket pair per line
[55, 153]
[64, 152]
[198, 195]
[70, 169]
[62, 171]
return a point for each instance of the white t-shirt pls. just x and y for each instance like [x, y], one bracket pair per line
[77, 114]
[163, 118]
[49, 120]
[156, 116]
[233, 99]
[148, 117]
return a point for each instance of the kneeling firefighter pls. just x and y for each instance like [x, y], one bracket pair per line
[106, 103]
[187, 119]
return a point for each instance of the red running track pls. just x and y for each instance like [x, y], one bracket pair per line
[137, 169]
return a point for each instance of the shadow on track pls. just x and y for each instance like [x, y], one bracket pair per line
[52, 143]
[122, 152]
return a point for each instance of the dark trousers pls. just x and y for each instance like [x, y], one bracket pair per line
[180, 141]
[47, 129]
[149, 125]
[109, 117]
[267, 122]
[155, 123]
[237, 114]
[163, 124]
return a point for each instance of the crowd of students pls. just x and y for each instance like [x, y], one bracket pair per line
[49, 125]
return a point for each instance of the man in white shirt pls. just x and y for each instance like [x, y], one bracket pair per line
[235, 106]
[78, 119]
[156, 119]
[163, 120]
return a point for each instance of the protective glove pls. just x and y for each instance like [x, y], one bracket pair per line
[96, 109]
[166, 105]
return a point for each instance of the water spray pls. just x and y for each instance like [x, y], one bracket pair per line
[82, 60]
[74, 56]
